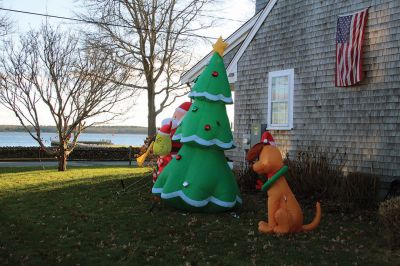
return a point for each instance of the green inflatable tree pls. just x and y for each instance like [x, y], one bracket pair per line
[199, 179]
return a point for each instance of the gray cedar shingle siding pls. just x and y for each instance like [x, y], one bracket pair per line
[363, 120]
[260, 4]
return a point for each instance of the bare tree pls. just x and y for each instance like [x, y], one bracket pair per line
[5, 23]
[50, 70]
[151, 40]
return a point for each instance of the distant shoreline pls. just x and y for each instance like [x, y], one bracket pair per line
[97, 129]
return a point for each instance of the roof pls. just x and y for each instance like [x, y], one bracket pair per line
[232, 67]
[243, 36]
[233, 40]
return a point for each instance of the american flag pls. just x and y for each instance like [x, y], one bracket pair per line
[349, 40]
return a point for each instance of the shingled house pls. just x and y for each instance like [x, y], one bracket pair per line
[295, 39]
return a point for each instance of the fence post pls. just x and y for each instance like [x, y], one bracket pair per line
[130, 155]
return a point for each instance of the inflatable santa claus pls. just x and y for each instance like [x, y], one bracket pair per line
[177, 118]
[164, 147]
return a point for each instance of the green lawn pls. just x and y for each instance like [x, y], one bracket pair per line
[75, 217]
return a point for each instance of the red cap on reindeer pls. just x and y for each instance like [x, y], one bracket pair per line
[267, 139]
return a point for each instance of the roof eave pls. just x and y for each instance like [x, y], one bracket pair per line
[232, 67]
[233, 40]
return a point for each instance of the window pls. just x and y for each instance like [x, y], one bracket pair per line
[280, 99]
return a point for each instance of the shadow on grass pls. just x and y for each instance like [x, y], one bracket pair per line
[87, 223]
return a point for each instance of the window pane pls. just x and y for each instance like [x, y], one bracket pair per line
[275, 108]
[280, 88]
[279, 113]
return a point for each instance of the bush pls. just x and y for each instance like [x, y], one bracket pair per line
[79, 153]
[315, 174]
[359, 190]
[246, 179]
[389, 212]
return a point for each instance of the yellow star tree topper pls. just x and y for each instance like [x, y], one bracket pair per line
[220, 46]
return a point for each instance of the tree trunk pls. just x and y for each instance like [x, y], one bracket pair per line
[151, 118]
[62, 158]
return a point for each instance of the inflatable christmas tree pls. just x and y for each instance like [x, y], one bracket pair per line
[199, 179]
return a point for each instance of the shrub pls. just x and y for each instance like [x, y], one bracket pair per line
[315, 173]
[359, 190]
[389, 212]
[79, 153]
[246, 179]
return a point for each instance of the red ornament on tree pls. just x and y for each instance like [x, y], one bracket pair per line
[178, 157]
[207, 127]
[215, 74]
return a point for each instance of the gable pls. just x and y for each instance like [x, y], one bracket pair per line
[232, 67]
[234, 43]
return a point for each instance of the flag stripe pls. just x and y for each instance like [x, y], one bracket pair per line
[353, 49]
[364, 21]
[357, 46]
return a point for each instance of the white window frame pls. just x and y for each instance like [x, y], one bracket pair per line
[280, 73]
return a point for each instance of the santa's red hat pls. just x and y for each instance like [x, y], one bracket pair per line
[165, 130]
[184, 107]
[267, 139]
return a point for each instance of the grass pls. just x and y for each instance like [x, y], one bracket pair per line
[76, 217]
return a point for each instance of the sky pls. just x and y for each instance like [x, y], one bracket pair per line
[230, 9]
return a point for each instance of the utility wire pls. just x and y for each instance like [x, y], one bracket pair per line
[207, 16]
[231, 19]
[104, 23]
[188, 12]
[43, 15]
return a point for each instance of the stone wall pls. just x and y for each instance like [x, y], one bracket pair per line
[362, 121]
[79, 153]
